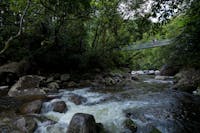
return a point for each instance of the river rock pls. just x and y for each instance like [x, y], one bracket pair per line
[26, 124]
[10, 72]
[85, 83]
[151, 72]
[140, 72]
[128, 123]
[109, 81]
[31, 107]
[77, 99]
[135, 78]
[133, 72]
[50, 79]
[64, 77]
[59, 106]
[54, 86]
[9, 103]
[169, 70]
[10, 123]
[16, 67]
[4, 90]
[70, 84]
[82, 123]
[27, 85]
[157, 72]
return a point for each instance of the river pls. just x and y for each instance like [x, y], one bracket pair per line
[148, 102]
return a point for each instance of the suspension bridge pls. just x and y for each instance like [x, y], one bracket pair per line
[146, 45]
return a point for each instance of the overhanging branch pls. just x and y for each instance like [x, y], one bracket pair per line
[7, 43]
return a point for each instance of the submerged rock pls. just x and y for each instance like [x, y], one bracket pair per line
[82, 123]
[77, 99]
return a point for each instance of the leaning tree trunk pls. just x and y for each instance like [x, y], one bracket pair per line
[8, 42]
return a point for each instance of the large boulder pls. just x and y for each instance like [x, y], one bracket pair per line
[169, 70]
[9, 72]
[31, 107]
[27, 85]
[82, 123]
[16, 67]
[187, 80]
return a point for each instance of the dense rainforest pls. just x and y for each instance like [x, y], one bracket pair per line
[99, 66]
[73, 35]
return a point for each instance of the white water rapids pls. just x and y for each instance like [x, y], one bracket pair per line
[110, 113]
[149, 103]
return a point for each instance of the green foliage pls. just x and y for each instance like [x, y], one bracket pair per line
[87, 34]
[146, 59]
[185, 50]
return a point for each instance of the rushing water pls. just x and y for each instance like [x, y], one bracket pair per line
[150, 103]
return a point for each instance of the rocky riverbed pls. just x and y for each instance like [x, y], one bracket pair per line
[141, 102]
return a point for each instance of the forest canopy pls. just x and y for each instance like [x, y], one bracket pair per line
[79, 34]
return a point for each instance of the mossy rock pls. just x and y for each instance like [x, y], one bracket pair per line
[129, 124]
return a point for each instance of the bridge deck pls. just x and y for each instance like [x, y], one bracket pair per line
[148, 45]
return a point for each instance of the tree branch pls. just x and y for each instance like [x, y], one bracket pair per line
[7, 43]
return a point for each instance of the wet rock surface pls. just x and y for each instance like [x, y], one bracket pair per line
[11, 123]
[187, 80]
[27, 85]
[82, 123]
[59, 106]
[31, 107]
